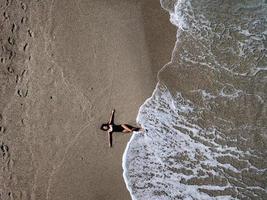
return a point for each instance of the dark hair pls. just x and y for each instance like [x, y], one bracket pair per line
[102, 127]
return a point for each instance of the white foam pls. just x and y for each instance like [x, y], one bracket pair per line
[164, 162]
[178, 17]
[151, 161]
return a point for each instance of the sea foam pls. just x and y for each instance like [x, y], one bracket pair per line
[205, 130]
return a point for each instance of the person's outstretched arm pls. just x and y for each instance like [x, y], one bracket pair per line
[110, 138]
[111, 120]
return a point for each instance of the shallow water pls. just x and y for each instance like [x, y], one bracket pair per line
[206, 120]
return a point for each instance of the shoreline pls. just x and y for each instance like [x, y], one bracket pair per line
[76, 62]
[104, 82]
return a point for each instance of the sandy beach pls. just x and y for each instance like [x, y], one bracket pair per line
[64, 66]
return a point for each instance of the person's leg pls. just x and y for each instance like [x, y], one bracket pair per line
[127, 128]
[137, 129]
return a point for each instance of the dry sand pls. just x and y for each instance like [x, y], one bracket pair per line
[64, 66]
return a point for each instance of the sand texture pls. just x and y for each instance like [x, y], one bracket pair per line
[64, 66]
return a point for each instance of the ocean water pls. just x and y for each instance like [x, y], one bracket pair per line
[206, 121]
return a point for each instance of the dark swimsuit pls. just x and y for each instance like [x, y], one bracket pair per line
[117, 128]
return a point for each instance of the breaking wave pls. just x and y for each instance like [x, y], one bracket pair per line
[205, 123]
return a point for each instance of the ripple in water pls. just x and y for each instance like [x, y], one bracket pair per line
[206, 120]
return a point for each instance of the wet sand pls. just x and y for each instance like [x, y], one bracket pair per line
[64, 67]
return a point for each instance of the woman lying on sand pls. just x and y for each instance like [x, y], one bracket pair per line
[110, 127]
